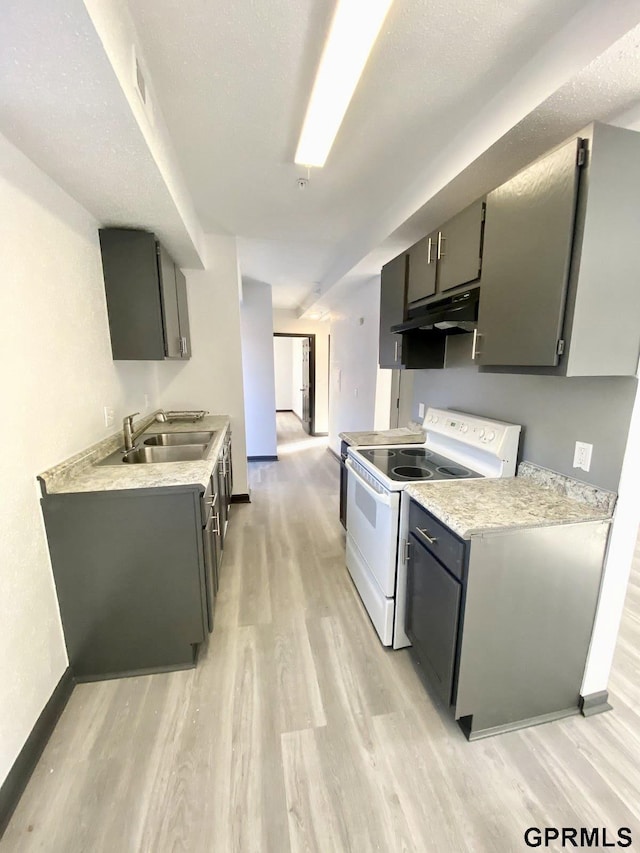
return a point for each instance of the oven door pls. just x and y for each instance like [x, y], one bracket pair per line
[373, 514]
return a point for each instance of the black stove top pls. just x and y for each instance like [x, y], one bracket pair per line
[407, 463]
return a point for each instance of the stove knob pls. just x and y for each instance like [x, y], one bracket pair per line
[464, 428]
[491, 435]
[481, 433]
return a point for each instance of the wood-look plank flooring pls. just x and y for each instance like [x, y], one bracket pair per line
[299, 732]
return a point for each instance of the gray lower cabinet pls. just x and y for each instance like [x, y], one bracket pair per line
[129, 570]
[500, 624]
[137, 573]
[146, 297]
[393, 286]
[561, 253]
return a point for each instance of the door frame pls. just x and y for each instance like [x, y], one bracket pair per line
[312, 373]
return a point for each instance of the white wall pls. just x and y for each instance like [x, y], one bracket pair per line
[288, 321]
[360, 391]
[620, 550]
[258, 369]
[283, 370]
[296, 376]
[57, 374]
[212, 378]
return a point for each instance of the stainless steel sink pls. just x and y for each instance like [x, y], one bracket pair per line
[147, 455]
[178, 439]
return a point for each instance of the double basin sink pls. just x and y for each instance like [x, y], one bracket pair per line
[165, 447]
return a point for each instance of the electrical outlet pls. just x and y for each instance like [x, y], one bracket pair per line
[421, 410]
[355, 392]
[582, 455]
[108, 416]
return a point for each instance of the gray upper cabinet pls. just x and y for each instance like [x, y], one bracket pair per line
[421, 279]
[527, 250]
[448, 257]
[393, 286]
[146, 297]
[560, 265]
[459, 247]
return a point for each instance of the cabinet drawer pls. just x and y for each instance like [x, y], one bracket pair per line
[437, 538]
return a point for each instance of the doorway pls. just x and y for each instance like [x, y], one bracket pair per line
[295, 376]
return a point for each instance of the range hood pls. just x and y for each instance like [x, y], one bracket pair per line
[452, 315]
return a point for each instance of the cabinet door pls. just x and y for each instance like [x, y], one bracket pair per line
[166, 268]
[527, 251]
[130, 269]
[222, 506]
[459, 247]
[431, 616]
[421, 277]
[183, 314]
[210, 568]
[392, 301]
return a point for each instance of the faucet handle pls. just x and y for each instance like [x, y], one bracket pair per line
[130, 418]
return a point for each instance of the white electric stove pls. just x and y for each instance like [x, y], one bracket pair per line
[457, 446]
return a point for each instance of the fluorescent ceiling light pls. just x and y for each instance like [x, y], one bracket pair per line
[354, 29]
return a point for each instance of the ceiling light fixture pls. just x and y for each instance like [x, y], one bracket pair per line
[354, 29]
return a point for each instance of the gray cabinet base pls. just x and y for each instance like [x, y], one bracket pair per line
[476, 728]
[595, 703]
[190, 661]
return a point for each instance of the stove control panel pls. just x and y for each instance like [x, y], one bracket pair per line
[495, 437]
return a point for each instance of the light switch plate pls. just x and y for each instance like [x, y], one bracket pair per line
[108, 416]
[421, 410]
[582, 455]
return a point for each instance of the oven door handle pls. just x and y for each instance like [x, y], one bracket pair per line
[380, 497]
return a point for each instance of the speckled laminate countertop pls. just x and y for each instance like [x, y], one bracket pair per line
[80, 473]
[403, 435]
[476, 506]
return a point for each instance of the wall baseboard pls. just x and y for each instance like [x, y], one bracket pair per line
[24, 765]
[334, 454]
[241, 499]
[262, 458]
[320, 434]
[595, 703]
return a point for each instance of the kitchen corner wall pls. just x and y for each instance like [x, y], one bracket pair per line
[555, 412]
[57, 374]
[258, 368]
[360, 392]
[212, 378]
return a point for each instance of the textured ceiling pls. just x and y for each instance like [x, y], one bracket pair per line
[61, 104]
[233, 80]
[456, 96]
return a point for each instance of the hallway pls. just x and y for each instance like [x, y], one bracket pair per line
[299, 731]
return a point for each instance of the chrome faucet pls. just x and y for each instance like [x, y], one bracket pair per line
[130, 434]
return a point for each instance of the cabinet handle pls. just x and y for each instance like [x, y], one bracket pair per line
[214, 500]
[425, 533]
[441, 240]
[429, 245]
[395, 351]
[216, 529]
[475, 352]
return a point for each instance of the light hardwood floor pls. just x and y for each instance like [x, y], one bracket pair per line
[299, 732]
